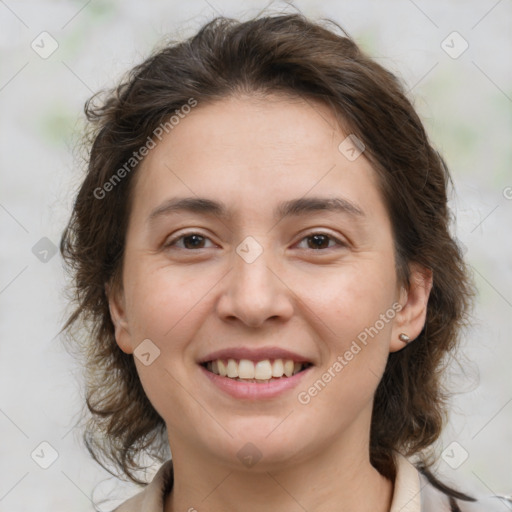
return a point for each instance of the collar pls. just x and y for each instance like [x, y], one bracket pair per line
[406, 494]
[407, 490]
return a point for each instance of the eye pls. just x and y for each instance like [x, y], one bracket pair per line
[318, 241]
[192, 240]
[189, 241]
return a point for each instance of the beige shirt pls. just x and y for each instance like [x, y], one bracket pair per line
[412, 493]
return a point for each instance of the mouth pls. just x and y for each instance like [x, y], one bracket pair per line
[250, 373]
[260, 372]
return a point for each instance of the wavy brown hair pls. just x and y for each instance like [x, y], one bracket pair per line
[271, 54]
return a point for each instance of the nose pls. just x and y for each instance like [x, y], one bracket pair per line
[255, 293]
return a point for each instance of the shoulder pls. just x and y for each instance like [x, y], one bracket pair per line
[417, 490]
[434, 500]
[151, 498]
[414, 492]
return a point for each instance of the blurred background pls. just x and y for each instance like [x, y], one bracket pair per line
[55, 54]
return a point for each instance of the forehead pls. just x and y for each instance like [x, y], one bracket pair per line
[248, 150]
[275, 126]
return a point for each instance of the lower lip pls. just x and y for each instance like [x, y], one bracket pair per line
[254, 390]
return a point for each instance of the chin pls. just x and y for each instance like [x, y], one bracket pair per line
[260, 446]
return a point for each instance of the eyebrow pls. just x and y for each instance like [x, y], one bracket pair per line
[294, 207]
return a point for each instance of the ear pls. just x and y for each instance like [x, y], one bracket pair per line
[116, 304]
[410, 320]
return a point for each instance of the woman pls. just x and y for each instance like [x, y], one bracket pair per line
[262, 256]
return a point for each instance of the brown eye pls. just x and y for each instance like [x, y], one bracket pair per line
[319, 241]
[193, 241]
[188, 241]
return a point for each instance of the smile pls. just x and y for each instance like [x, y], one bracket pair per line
[254, 380]
[263, 371]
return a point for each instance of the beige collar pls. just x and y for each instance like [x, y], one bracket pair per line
[406, 495]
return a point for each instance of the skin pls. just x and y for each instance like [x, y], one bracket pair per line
[252, 153]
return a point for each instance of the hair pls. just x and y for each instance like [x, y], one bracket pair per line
[278, 54]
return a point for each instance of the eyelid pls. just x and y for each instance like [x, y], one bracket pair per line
[341, 243]
[338, 240]
[170, 241]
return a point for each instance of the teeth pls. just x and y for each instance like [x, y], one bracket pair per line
[232, 368]
[223, 371]
[288, 368]
[261, 371]
[246, 369]
[277, 368]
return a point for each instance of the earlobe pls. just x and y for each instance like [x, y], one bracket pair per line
[117, 309]
[410, 320]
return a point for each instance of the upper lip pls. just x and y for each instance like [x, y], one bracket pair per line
[254, 354]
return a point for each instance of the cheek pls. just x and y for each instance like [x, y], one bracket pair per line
[167, 306]
[352, 297]
[354, 318]
[161, 300]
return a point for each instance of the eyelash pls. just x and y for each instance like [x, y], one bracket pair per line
[173, 241]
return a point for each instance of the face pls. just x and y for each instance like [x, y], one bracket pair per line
[289, 256]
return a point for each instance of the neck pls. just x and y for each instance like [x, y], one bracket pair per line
[340, 479]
